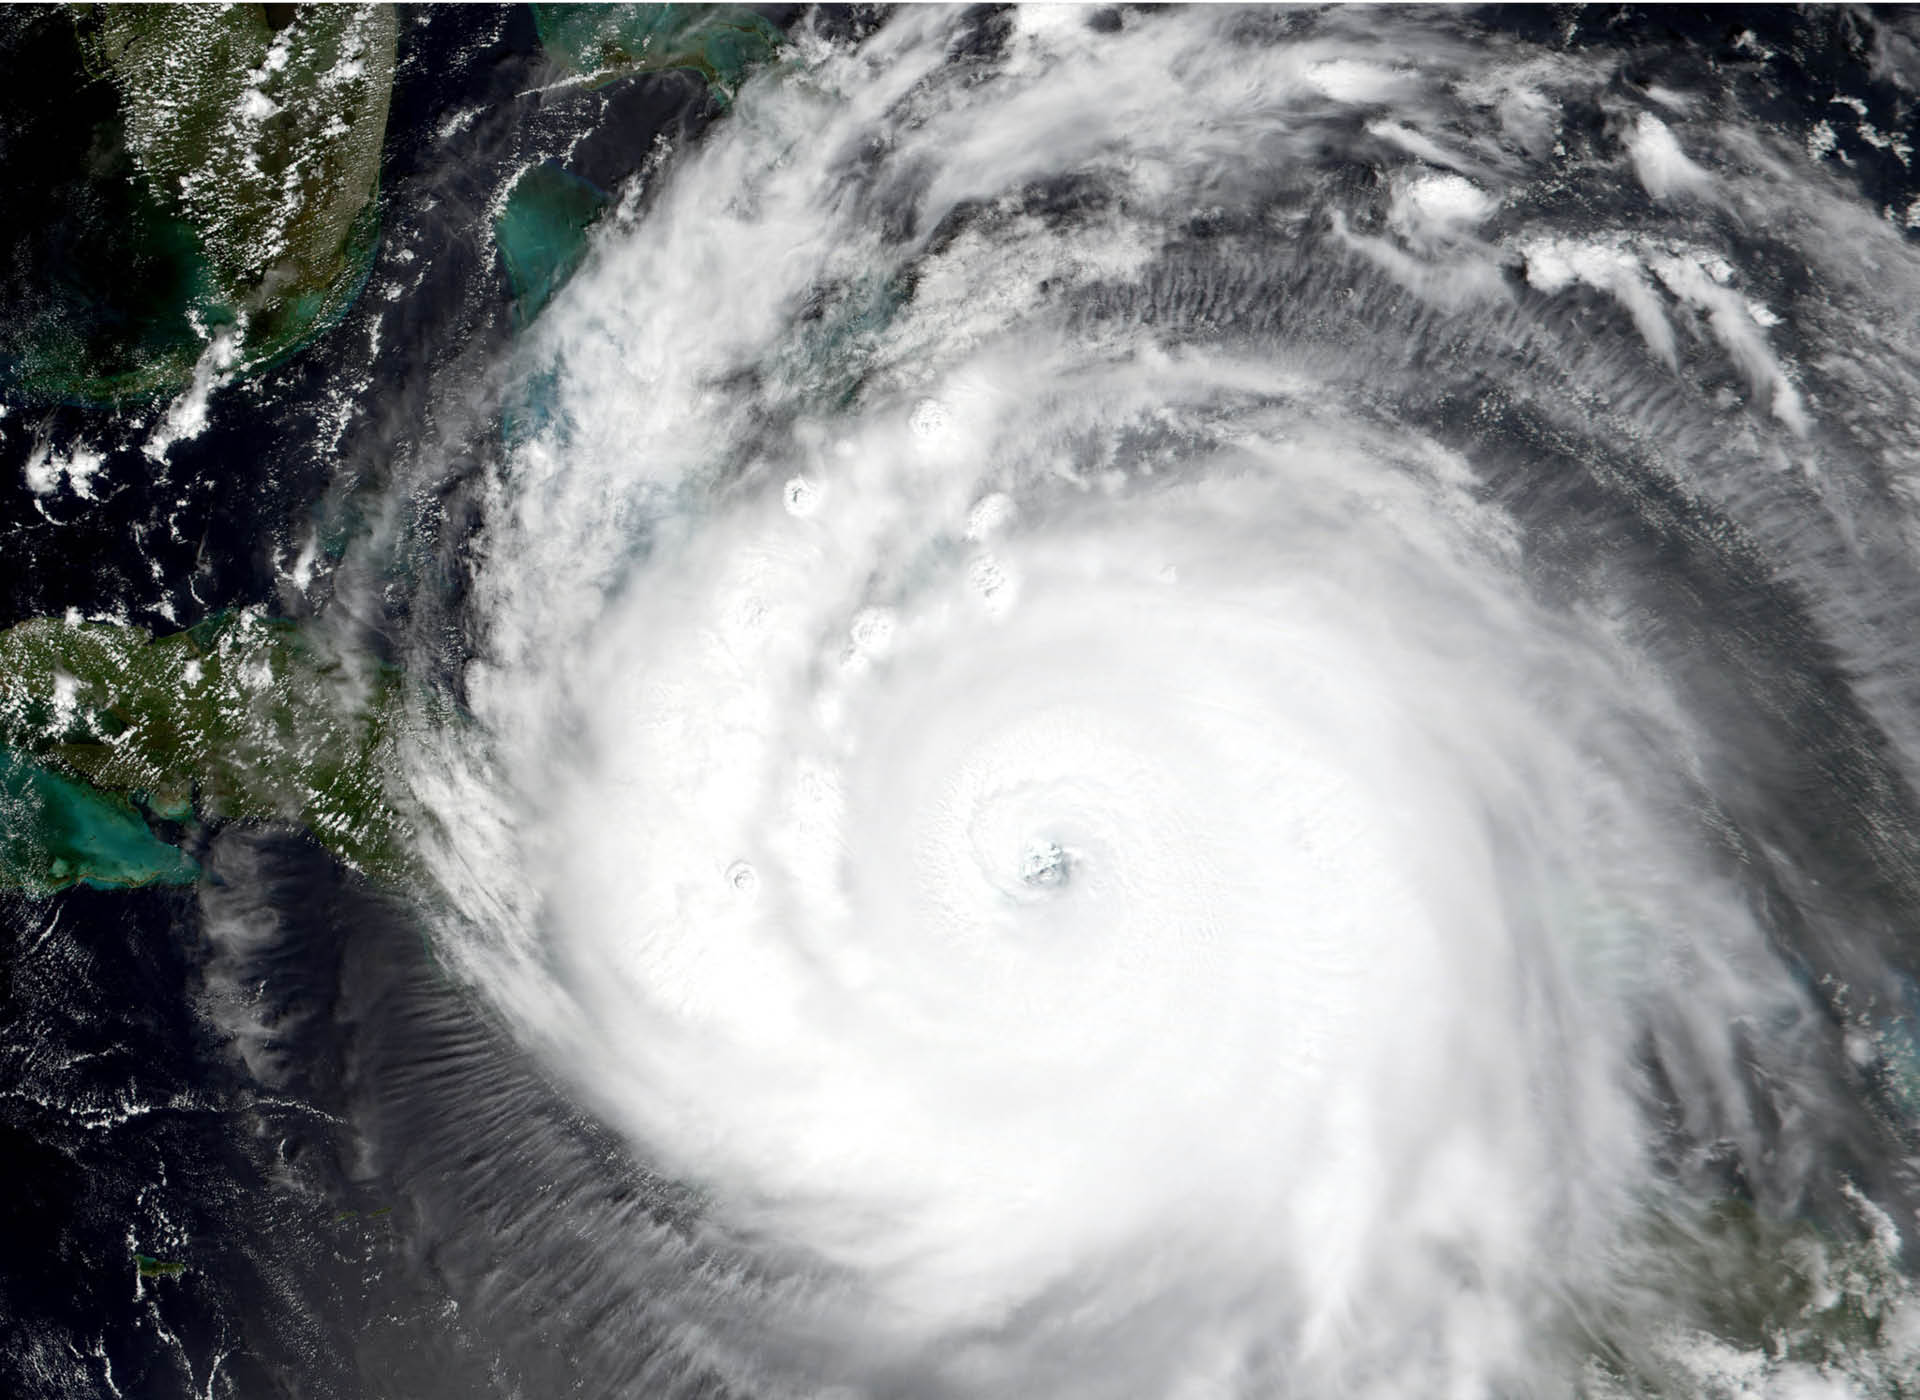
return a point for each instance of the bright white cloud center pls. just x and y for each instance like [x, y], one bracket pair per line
[1077, 839]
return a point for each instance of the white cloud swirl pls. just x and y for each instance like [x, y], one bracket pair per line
[1080, 834]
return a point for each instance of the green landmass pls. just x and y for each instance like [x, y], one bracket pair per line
[1809, 1295]
[226, 211]
[150, 1267]
[264, 125]
[229, 204]
[109, 736]
[543, 225]
[604, 42]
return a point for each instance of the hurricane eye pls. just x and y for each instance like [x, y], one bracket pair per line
[1045, 865]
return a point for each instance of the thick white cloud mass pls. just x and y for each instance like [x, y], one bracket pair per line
[1132, 709]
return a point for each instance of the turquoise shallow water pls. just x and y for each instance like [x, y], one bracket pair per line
[72, 834]
[542, 233]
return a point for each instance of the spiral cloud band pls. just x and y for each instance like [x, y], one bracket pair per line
[1102, 726]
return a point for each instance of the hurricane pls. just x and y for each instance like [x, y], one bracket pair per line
[925, 703]
[1201, 702]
